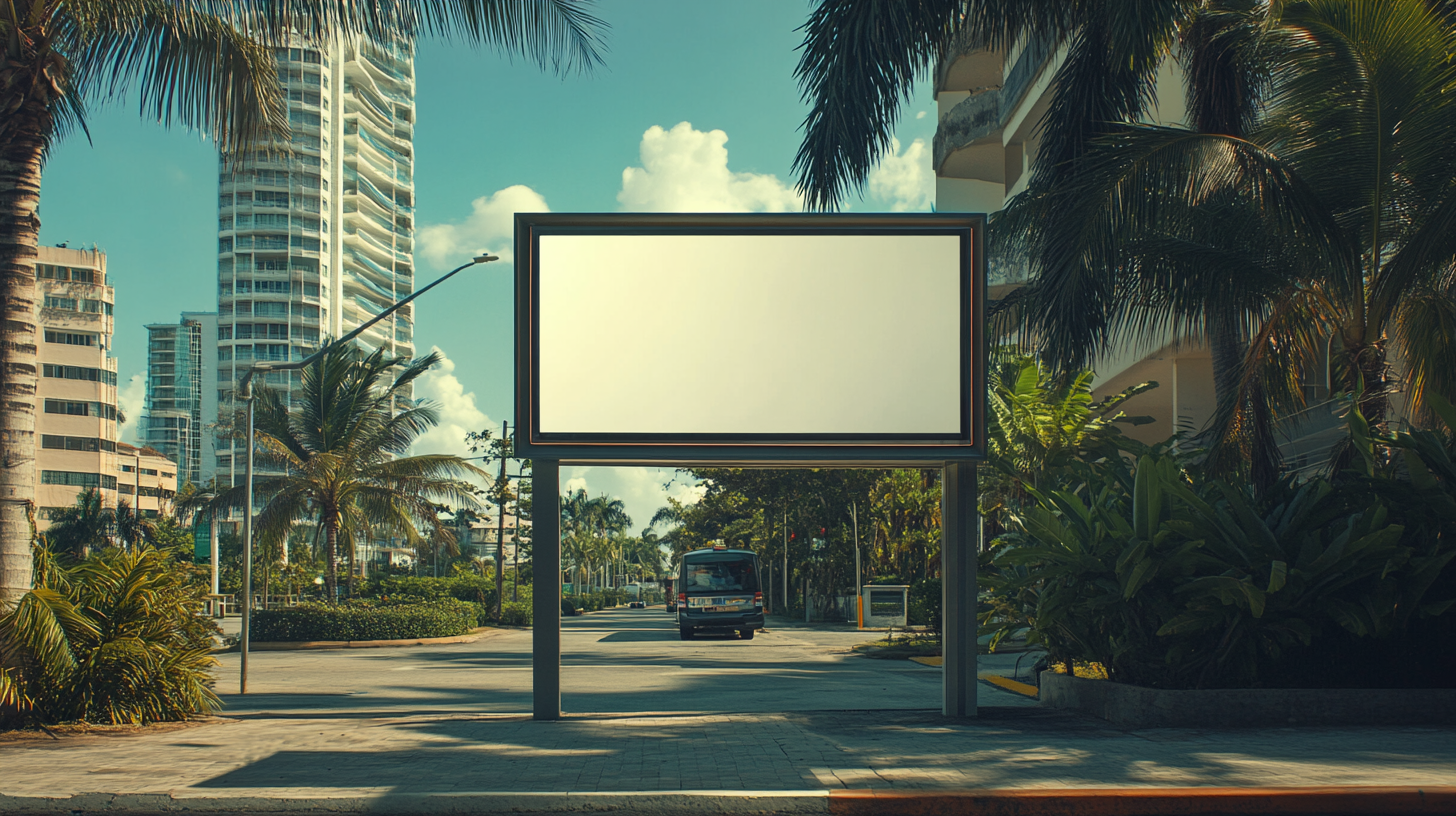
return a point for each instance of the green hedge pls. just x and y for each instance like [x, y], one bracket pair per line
[444, 618]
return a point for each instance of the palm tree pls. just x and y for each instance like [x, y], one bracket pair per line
[1327, 228]
[75, 530]
[202, 64]
[343, 450]
[859, 64]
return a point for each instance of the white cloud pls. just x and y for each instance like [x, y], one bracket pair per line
[489, 227]
[686, 170]
[922, 114]
[456, 406]
[576, 482]
[130, 400]
[904, 180]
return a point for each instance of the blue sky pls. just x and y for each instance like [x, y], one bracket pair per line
[696, 109]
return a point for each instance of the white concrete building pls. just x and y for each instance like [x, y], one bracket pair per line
[313, 242]
[77, 423]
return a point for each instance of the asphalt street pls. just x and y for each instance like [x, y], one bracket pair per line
[613, 662]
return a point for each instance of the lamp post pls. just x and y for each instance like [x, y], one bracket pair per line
[245, 393]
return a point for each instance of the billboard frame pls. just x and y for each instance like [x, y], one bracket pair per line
[751, 450]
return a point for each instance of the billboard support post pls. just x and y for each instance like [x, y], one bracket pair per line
[958, 587]
[546, 597]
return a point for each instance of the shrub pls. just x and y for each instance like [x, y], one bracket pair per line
[516, 613]
[118, 638]
[472, 588]
[1174, 582]
[568, 607]
[925, 603]
[443, 618]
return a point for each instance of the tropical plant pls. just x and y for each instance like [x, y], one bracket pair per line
[117, 638]
[342, 452]
[859, 64]
[87, 524]
[1039, 426]
[207, 66]
[1323, 228]
[1177, 582]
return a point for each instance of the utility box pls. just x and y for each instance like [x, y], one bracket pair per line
[884, 606]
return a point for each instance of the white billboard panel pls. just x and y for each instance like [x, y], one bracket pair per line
[720, 332]
[750, 334]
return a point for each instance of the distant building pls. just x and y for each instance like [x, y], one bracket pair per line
[77, 423]
[181, 402]
[146, 479]
[317, 240]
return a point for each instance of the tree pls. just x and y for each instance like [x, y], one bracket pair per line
[204, 65]
[76, 530]
[860, 61]
[1327, 228]
[343, 452]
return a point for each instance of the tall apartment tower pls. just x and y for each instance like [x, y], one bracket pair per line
[181, 402]
[77, 426]
[314, 241]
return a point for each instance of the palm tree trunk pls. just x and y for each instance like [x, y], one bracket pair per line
[331, 554]
[20, 170]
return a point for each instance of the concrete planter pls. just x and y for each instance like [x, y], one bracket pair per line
[1138, 707]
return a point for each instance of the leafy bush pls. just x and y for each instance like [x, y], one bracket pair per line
[466, 587]
[516, 613]
[568, 608]
[356, 621]
[925, 604]
[1174, 582]
[118, 638]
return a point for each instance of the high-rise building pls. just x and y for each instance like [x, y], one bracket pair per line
[181, 402]
[77, 424]
[314, 241]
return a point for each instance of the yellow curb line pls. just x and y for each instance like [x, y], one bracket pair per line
[929, 661]
[1009, 684]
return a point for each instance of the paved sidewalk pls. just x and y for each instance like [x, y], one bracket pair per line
[344, 762]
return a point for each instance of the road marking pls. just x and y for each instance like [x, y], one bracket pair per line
[1009, 684]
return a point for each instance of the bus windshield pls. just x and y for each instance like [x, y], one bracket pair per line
[720, 572]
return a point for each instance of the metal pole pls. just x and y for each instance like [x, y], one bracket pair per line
[247, 552]
[786, 560]
[500, 527]
[546, 600]
[212, 539]
[958, 588]
[858, 573]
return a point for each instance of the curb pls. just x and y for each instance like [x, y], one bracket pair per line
[1351, 801]
[306, 645]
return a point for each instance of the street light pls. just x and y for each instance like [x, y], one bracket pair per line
[245, 393]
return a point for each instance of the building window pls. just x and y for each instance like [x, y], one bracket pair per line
[224, 332]
[79, 373]
[73, 479]
[149, 472]
[69, 304]
[126, 489]
[69, 408]
[128, 468]
[70, 338]
[95, 306]
[77, 443]
[225, 244]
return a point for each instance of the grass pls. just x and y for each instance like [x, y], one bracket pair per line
[904, 647]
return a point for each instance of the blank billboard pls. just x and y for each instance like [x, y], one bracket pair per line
[721, 332]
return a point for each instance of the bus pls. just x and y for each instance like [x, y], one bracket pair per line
[718, 589]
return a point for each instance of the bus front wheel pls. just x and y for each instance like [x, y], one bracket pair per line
[685, 632]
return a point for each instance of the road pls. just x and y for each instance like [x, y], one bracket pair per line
[613, 662]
